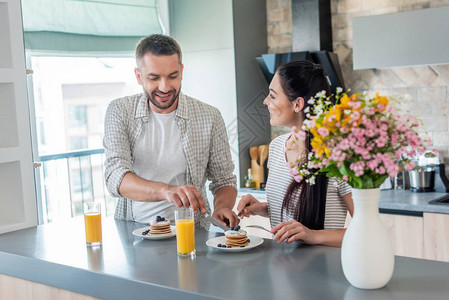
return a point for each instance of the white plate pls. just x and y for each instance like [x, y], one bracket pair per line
[138, 232]
[254, 242]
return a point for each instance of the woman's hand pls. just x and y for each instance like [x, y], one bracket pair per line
[250, 206]
[293, 231]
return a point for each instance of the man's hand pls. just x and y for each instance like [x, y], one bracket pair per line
[187, 196]
[226, 216]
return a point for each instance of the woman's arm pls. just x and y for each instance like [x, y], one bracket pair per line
[291, 231]
[349, 204]
[294, 231]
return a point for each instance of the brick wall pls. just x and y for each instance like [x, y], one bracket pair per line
[427, 85]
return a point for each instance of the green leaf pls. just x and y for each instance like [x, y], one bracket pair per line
[358, 181]
[345, 170]
[378, 182]
[367, 182]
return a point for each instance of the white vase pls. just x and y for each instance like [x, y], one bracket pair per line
[367, 254]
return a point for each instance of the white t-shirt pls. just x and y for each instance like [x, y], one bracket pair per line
[159, 156]
[279, 179]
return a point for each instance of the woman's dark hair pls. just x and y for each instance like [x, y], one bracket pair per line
[305, 79]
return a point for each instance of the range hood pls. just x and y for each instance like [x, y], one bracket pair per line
[268, 63]
[311, 40]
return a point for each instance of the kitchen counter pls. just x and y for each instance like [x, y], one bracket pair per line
[393, 201]
[128, 267]
[407, 201]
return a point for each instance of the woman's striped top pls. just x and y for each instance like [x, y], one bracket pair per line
[279, 179]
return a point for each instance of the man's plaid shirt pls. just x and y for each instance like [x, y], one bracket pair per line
[203, 137]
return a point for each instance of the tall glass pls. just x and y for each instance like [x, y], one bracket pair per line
[92, 223]
[185, 231]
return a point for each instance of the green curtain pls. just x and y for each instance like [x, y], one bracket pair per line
[88, 25]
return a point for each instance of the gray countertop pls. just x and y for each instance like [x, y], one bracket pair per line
[128, 267]
[405, 200]
[395, 201]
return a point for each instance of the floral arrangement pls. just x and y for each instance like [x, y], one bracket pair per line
[361, 140]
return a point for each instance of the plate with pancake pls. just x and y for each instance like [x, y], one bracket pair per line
[254, 241]
[149, 236]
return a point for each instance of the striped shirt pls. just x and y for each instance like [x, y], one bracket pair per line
[279, 179]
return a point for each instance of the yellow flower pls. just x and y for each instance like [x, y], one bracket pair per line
[381, 100]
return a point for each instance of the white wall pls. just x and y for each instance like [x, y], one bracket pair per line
[204, 30]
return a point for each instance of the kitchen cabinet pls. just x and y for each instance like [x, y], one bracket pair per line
[436, 236]
[16, 288]
[406, 233]
[418, 237]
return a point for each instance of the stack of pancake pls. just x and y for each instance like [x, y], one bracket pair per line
[236, 238]
[158, 227]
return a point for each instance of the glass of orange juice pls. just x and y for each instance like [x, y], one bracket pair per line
[92, 223]
[185, 231]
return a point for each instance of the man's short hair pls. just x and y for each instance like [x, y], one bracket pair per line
[157, 44]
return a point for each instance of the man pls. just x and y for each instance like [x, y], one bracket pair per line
[161, 146]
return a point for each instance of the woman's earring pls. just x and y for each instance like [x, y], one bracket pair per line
[296, 110]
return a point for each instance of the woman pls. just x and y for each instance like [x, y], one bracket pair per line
[314, 214]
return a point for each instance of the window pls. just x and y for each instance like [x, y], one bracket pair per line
[71, 95]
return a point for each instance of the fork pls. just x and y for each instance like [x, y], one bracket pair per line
[259, 227]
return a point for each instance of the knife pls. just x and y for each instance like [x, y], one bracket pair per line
[214, 221]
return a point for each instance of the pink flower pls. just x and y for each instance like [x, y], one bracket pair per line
[324, 132]
[370, 111]
[355, 115]
[372, 143]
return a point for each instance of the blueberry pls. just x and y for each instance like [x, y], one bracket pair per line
[145, 232]
[228, 247]
[162, 219]
[242, 246]
[237, 228]
[231, 228]
[248, 240]
[158, 219]
[219, 245]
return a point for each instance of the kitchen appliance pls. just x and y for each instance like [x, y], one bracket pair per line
[311, 40]
[268, 64]
[422, 179]
[430, 179]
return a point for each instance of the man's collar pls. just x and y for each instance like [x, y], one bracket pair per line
[183, 109]
[143, 109]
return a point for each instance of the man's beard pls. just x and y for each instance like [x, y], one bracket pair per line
[159, 105]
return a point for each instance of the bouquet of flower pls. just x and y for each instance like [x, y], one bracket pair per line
[361, 139]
